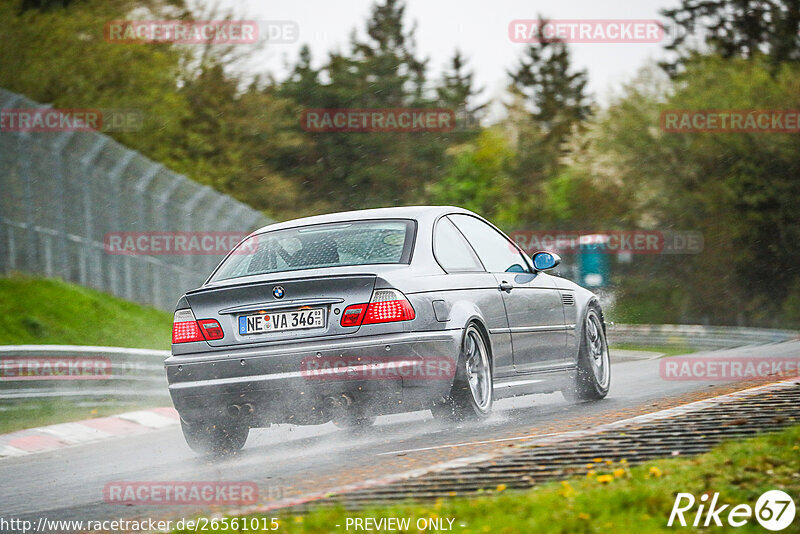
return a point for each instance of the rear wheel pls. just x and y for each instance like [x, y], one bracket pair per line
[593, 376]
[471, 396]
[220, 439]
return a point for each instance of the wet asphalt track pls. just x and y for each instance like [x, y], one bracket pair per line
[288, 461]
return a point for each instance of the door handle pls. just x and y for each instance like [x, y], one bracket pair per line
[505, 286]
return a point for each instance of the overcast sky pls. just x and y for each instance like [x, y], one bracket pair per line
[479, 28]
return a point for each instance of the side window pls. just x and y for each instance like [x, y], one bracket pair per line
[496, 252]
[452, 250]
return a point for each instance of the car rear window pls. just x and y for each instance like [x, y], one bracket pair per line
[319, 246]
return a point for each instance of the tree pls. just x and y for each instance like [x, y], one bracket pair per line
[549, 102]
[457, 91]
[554, 92]
[479, 178]
[381, 70]
[738, 189]
[735, 29]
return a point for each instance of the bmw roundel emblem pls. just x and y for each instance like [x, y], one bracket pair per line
[278, 292]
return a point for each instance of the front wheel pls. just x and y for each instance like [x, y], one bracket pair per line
[593, 376]
[471, 396]
[219, 439]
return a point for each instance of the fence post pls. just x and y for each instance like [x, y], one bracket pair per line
[141, 188]
[88, 216]
[114, 179]
[61, 215]
[6, 238]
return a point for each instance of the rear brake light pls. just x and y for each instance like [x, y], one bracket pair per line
[186, 329]
[385, 306]
[211, 329]
[388, 305]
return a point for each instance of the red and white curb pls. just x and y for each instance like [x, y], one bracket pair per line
[52, 437]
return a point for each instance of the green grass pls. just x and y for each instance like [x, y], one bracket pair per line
[639, 499]
[41, 311]
[667, 351]
[45, 311]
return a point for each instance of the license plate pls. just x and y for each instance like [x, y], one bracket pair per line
[281, 321]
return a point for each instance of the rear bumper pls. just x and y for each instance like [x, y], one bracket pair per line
[385, 373]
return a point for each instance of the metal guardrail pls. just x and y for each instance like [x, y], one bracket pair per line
[46, 371]
[64, 192]
[696, 337]
[122, 373]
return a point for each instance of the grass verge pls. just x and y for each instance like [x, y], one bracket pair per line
[667, 351]
[44, 311]
[41, 311]
[610, 498]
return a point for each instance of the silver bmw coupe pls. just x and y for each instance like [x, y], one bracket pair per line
[347, 316]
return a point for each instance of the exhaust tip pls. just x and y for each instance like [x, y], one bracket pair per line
[234, 410]
[247, 408]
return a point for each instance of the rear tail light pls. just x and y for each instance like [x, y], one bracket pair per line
[211, 329]
[185, 328]
[353, 315]
[385, 306]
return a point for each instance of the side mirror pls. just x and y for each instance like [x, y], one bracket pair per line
[543, 261]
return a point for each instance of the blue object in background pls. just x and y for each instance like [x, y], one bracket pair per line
[593, 262]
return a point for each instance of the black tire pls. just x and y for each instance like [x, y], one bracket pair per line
[593, 376]
[471, 396]
[217, 439]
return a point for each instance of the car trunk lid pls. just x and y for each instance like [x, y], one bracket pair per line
[284, 306]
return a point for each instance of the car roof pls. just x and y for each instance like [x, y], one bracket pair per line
[417, 213]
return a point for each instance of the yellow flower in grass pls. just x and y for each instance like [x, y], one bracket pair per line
[623, 461]
[501, 487]
[654, 472]
[591, 473]
[597, 460]
[589, 466]
[605, 479]
[619, 473]
[583, 515]
[566, 489]
[609, 462]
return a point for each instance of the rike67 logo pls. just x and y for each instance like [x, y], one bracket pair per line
[774, 511]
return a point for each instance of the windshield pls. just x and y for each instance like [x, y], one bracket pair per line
[320, 246]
